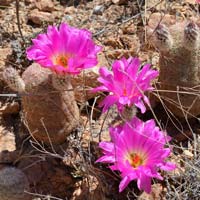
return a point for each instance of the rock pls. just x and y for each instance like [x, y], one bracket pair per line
[29, 1]
[13, 79]
[94, 192]
[13, 183]
[157, 18]
[47, 175]
[7, 140]
[119, 2]
[156, 193]
[4, 53]
[8, 157]
[70, 10]
[44, 5]
[191, 1]
[6, 2]
[124, 46]
[113, 42]
[10, 108]
[129, 29]
[156, 4]
[98, 10]
[39, 17]
[119, 53]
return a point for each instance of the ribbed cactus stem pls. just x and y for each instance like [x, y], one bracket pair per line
[191, 38]
[129, 112]
[50, 111]
[164, 39]
[13, 184]
[61, 82]
[14, 81]
[179, 67]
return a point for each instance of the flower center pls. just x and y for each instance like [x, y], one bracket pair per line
[61, 60]
[124, 92]
[135, 160]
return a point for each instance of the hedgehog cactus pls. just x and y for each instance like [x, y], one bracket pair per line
[50, 113]
[50, 109]
[179, 49]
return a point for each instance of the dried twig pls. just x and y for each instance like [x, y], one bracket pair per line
[18, 20]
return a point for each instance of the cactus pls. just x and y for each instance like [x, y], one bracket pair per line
[14, 81]
[178, 45]
[13, 184]
[50, 112]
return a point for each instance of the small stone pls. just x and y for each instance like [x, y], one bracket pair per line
[6, 2]
[44, 5]
[119, 2]
[67, 18]
[13, 184]
[70, 10]
[39, 17]
[29, 1]
[10, 108]
[188, 154]
[157, 18]
[98, 10]
[111, 41]
[7, 140]
[156, 193]
[4, 53]
[191, 1]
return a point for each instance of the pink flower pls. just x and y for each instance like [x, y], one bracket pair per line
[137, 151]
[64, 50]
[126, 84]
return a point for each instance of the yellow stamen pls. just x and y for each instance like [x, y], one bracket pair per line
[124, 92]
[135, 160]
[61, 60]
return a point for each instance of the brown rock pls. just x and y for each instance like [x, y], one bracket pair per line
[9, 108]
[13, 183]
[29, 1]
[44, 5]
[83, 192]
[113, 42]
[156, 193]
[157, 18]
[119, 2]
[48, 176]
[126, 46]
[6, 2]
[70, 10]
[4, 53]
[39, 17]
[7, 140]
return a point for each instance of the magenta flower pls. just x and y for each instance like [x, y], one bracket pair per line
[64, 50]
[137, 151]
[126, 84]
